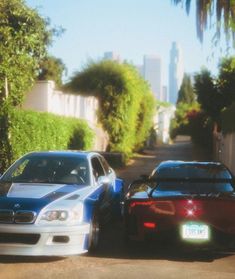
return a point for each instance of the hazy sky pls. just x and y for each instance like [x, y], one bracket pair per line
[130, 28]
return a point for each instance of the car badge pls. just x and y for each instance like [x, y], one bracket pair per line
[17, 205]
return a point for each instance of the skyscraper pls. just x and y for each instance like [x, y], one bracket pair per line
[176, 72]
[152, 73]
[110, 55]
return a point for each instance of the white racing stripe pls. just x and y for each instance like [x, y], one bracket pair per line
[32, 190]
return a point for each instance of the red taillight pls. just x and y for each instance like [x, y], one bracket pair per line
[145, 203]
[149, 225]
[190, 208]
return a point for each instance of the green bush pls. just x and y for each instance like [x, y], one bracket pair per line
[126, 103]
[31, 131]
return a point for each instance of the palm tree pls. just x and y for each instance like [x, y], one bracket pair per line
[225, 15]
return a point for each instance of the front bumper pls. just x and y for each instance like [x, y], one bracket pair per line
[50, 240]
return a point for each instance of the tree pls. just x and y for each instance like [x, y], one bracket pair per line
[126, 102]
[208, 95]
[215, 94]
[52, 68]
[24, 36]
[186, 92]
[226, 80]
[225, 15]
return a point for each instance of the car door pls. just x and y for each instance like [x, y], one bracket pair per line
[105, 199]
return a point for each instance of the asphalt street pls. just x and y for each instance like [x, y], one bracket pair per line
[114, 259]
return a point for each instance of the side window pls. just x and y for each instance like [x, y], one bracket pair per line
[106, 166]
[97, 168]
[20, 170]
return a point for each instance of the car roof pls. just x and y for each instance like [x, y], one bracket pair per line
[67, 153]
[176, 163]
[190, 169]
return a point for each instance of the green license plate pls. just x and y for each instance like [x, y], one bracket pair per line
[195, 231]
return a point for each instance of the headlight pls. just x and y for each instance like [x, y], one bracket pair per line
[56, 216]
[53, 215]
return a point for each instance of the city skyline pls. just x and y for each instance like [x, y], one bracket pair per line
[131, 28]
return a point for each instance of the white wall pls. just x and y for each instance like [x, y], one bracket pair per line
[162, 122]
[45, 98]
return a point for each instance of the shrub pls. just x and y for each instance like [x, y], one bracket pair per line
[32, 131]
[126, 103]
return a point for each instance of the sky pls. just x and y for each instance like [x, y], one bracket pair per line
[130, 28]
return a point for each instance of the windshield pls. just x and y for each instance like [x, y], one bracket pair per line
[49, 169]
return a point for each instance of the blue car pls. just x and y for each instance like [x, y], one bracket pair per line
[53, 203]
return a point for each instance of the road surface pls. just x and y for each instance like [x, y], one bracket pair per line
[114, 260]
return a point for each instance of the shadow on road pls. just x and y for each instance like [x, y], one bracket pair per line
[112, 245]
[28, 259]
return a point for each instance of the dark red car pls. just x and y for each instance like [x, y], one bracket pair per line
[188, 202]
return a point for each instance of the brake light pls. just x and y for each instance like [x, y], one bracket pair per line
[149, 225]
[144, 203]
[191, 208]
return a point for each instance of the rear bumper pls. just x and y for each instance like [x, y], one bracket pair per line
[172, 235]
[34, 240]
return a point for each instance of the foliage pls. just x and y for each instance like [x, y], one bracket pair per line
[126, 103]
[216, 94]
[226, 80]
[179, 124]
[205, 9]
[227, 119]
[186, 93]
[200, 128]
[163, 104]
[191, 120]
[52, 68]
[24, 36]
[226, 84]
[208, 94]
[47, 132]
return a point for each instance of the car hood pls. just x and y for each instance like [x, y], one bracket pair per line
[35, 196]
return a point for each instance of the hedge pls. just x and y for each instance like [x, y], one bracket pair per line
[37, 131]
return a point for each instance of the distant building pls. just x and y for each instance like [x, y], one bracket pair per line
[110, 55]
[164, 95]
[176, 72]
[140, 69]
[152, 74]
[162, 123]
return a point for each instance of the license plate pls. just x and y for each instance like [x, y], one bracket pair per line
[195, 231]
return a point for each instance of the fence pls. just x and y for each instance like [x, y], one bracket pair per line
[224, 149]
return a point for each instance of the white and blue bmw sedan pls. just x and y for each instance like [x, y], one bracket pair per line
[53, 203]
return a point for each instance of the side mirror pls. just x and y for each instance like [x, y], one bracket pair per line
[104, 180]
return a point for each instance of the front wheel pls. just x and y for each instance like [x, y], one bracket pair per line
[94, 233]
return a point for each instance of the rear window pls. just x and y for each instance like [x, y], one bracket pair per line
[195, 187]
[208, 171]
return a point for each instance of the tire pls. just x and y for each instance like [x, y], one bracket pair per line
[94, 234]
